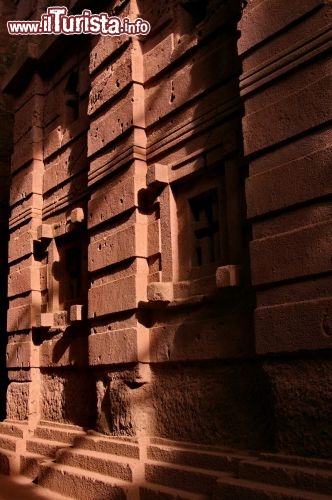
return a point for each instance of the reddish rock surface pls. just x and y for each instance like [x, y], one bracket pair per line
[166, 253]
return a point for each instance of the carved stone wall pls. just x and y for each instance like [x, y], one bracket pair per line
[7, 52]
[286, 84]
[169, 228]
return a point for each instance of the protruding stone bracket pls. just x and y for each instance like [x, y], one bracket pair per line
[77, 216]
[76, 313]
[56, 321]
[44, 233]
[45, 320]
[156, 181]
[228, 276]
[160, 292]
[157, 175]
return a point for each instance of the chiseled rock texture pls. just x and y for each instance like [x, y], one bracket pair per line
[166, 253]
[286, 84]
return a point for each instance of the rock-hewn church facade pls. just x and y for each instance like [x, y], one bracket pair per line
[166, 281]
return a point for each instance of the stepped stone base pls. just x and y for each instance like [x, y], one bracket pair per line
[72, 462]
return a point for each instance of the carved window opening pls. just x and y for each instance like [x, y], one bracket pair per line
[71, 274]
[205, 224]
[72, 279]
[41, 255]
[63, 274]
[201, 225]
[67, 272]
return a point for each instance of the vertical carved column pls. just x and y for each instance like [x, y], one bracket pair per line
[7, 53]
[24, 290]
[118, 228]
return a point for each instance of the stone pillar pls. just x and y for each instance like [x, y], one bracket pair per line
[7, 52]
[24, 290]
[118, 226]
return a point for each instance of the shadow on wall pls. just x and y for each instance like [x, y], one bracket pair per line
[7, 10]
[68, 161]
[212, 142]
[65, 371]
[5, 151]
[224, 402]
[180, 384]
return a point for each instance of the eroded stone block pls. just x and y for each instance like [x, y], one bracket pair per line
[274, 189]
[293, 115]
[103, 47]
[75, 354]
[114, 403]
[160, 292]
[68, 163]
[114, 200]
[301, 390]
[23, 279]
[117, 246]
[32, 108]
[29, 148]
[18, 353]
[20, 318]
[21, 242]
[36, 86]
[269, 263]
[143, 373]
[115, 296]
[291, 327]
[158, 57]
[114, 78]
[27, 182]
[60, 319]
[68, 396]
[17, 400]
[116, 346]
[109, 126]
[270, 20]
[77, 215]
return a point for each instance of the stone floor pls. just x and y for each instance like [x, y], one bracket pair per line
[21, 488]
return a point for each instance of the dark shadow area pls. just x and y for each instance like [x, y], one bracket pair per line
[4, 218]
[6, 119]
[8, 47]
[212, 231]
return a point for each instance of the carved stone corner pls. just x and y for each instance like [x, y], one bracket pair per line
[160, 292]
[44, 232]
[157, 175]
